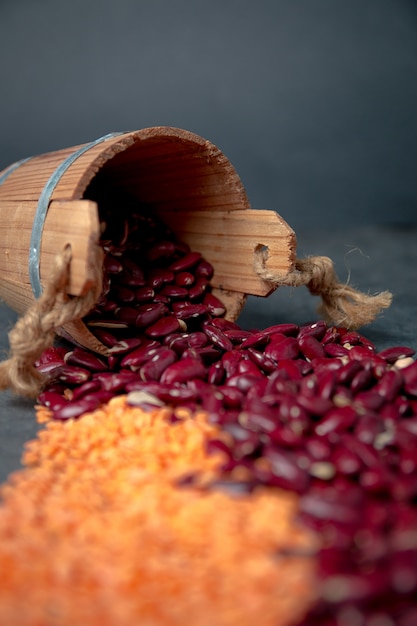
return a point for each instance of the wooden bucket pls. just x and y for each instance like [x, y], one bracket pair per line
[46, 203]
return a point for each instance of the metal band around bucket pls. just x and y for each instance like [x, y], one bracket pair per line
[11, 168]
[42, 210]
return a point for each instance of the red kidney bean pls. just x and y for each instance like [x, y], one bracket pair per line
[288, 436]
[242, 381]
[207, 355]
[230, 361]
[308, 386]
[316, 330]
[351, 337]
[318, 449]
[51, 369]
[345, 460]
[127, 314]
[163, 249]
[122, 294]
[89, 387]
[408, 456]
[197, 340]
[335, 350]
[368, 400]
[284, 471]
[233, 397]
[410, 379]
[176, 395]
[268, 366]
[132, 280]
[332, 335]
[248, 367]
[214, 305]
[159, 277]
[140, 355]
[326, 385]
[183, 371]
[86, 359]
[279, 349]
[198, 290]
[112, 265]
[315, 404]
[256, 340]
[288, 329]
[52, 400]
[185, 262]
[236, 336]
[73, 374]
[105, 337]
[326, 505]
[390, 385]
[368, 427]
[72, 410]
[191, 311]
[157, 364]
[163, 327]
[216, 373]
[218, 338]
[390, 355]
[361, 380]
[144, 399]
[293, 368]
[116, 381]
[144, 294]
[345, 374]
[148, 314]
[174, 292]
[53, 355]
[125, 345]
[352, 588]
[336, 420]
[403, 569]
[224, 324]
[263, 420]
[291, 412]
[204, 269]
[310, 346]
[404, 487]
[360, 353]
[184, 279]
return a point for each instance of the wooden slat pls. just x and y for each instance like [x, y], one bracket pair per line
[230, 240]
[73, 222]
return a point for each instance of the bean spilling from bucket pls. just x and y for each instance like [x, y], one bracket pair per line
[313, 409]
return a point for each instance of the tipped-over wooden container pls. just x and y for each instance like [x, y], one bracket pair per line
[47, 202]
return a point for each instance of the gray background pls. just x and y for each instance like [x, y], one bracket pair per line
[313, 101]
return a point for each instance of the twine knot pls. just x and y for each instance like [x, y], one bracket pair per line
[341, 304]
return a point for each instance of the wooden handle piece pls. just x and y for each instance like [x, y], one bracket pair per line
[230, 239]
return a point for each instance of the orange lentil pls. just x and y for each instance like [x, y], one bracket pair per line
[96, 530]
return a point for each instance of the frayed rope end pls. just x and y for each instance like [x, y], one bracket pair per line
[341, 304]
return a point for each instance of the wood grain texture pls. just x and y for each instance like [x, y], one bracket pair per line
[75, 223]
[229, 240]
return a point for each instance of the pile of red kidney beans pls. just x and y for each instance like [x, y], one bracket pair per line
[314, 409]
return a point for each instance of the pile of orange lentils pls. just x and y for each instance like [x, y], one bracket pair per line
[101, 527]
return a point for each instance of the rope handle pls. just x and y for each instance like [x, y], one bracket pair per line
[341, 304]
[36, 329]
